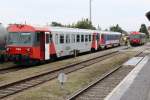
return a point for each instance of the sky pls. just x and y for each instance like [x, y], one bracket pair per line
[129, 14]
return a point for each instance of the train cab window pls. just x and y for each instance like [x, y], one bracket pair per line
[89, 38]
[86, 38]
[61, 39]
[82, 38]
[47, 38]
[78, 38]
[67, 38]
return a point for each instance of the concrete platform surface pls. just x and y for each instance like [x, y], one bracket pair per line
[135, 86]
[133, 61]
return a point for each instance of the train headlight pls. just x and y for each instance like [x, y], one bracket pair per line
[28, 49]
[18, 49]
[8, 49]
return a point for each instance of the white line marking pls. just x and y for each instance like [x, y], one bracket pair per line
[133, 61]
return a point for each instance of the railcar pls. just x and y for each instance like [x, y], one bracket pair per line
[3, 39]
[36, 44]
[137, 38]
[110, 39]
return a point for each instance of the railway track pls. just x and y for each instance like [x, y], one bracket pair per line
[104, 84]
[13, 68]
[24, 84]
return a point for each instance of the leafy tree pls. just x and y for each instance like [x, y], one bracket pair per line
[106, 29]
[84, 24]
[116, 28]
[143, 29]
[57, 24]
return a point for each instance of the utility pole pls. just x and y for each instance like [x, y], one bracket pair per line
[90, 9]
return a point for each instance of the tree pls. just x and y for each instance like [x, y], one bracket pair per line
[106, 29]
[143, 29]
[84, 24]
[57, 24]
[116, 28]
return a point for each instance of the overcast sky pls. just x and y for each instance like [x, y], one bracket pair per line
[129, 14]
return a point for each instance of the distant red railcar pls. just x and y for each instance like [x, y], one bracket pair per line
[137, 38]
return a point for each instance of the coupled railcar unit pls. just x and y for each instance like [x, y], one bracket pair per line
[137, 38]
[31, 43]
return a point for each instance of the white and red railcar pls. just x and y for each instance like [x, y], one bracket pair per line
[44, 43]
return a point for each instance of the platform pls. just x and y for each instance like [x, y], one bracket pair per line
[136, 85]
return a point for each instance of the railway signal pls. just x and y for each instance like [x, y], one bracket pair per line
[62, 78]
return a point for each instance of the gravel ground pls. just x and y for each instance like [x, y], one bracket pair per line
[6, 65]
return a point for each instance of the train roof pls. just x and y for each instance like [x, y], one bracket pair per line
[81, 30]
[134, 32]
[70, 29]
[31, 28]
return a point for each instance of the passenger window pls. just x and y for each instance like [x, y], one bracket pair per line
[89, 38]
[97, 37]
[50, 38]
[56, 38]
[67, 38]
[47, 38]
[93, 37]
[86, 38]
[61, 39]
[78, 38]
[82, 38]
[73, 38]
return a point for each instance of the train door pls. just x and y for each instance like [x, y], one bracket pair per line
[94, 42]
[47, 46]
[41, 43]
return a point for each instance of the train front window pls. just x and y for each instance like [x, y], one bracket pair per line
[134, 36]
[20, 39]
